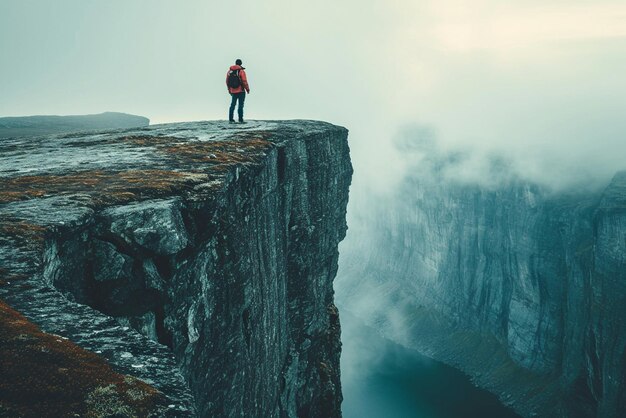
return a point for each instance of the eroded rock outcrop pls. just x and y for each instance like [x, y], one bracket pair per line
[197, 257]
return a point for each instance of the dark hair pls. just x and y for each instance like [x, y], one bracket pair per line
[238, 62]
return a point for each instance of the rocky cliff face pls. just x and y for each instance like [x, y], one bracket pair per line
[197, 257]
[523, 289]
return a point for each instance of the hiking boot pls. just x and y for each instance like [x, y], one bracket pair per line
[231, 121]
[241, 121]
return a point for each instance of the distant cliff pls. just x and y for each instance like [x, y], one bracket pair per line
[523, 288]
[197, 257]
[21, 126]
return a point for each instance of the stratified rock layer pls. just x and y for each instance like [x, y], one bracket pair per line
[198, 257]
[523, 289]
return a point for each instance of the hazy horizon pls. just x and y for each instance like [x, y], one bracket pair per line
[538, 80]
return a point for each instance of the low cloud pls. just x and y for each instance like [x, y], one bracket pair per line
[575, 166]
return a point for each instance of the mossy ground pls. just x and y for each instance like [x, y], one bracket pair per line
[25, 234]
[44, 375]
[103, 187]
[185, 163]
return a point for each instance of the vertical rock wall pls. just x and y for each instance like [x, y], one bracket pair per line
[252, 316]
[522, 289]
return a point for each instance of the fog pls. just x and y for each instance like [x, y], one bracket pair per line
[538, 85]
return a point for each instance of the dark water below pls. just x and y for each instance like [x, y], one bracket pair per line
[383, 379]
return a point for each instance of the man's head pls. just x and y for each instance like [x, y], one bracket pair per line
[238, 62]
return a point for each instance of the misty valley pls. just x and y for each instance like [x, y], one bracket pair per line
[520, 284]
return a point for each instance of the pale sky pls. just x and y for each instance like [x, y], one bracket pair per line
[544, 77]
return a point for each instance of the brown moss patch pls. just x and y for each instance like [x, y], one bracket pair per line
[24, 233]
[245, 147]
[201, 161]
[219, 153]
[102, 186]
[44, 375]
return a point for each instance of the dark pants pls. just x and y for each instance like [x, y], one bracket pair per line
[242, 98]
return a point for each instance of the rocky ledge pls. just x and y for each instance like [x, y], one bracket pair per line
[196, 257]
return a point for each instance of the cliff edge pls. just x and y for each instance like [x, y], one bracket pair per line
[196, 257]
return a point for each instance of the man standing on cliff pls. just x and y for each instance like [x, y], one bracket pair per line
[237, 83]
